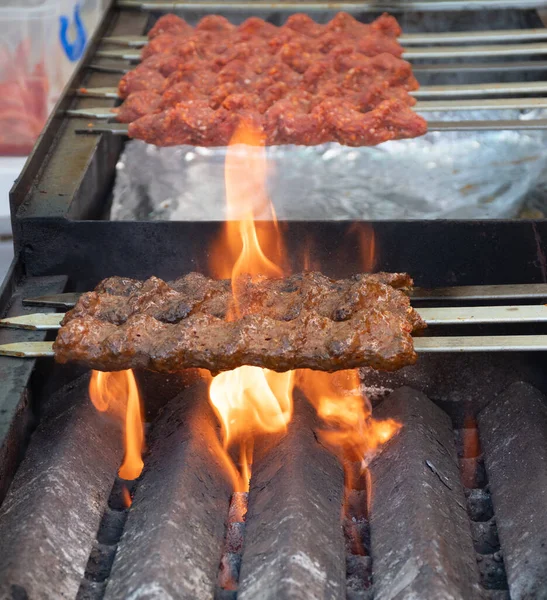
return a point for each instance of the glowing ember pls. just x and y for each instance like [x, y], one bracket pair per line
[113, 393]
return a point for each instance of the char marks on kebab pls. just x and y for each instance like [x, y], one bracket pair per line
[301, 83]
[301, 321]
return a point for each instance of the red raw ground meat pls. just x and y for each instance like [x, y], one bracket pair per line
[301, 83]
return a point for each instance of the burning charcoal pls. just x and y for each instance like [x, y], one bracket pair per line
[181, 504]
[492, 573]
[513, 431]
[479, 505]
[356, 504]
[294, 546]
[100, 562]
[230, 565]
[238, 507]
[357, 535]
[120, 496]
[111, 526]
[467, 442]
[235, 533]
[358, 573]
[497, 595]
[419, 526]
[485, 537]
[50, 516]
[472, 472]
[225, 594]
[91, 590]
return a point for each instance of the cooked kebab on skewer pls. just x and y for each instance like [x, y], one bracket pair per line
[301, 83]
[302, 321]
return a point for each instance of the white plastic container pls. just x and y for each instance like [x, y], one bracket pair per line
[41, 42]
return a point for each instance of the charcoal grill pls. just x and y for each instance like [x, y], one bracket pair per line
[456, 498]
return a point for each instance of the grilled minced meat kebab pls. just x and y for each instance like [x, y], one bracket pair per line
[303, 321]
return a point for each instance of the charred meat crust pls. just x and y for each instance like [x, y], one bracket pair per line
[303, 321]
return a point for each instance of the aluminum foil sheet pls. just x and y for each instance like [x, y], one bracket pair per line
[454, 175]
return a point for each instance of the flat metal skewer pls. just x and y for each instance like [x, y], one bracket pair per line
[27, 349]
[480, 343]
[516, 291]
[411, 39]
[494, 125]
[451, 315]
[489, 50]
[105, 113]
[422, 345]
[35, 321]
[425, 91]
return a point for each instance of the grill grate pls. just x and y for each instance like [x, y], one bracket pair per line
[447, 517]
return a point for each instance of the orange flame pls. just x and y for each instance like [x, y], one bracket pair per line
[114, 392]
[249, 400]
[351, 431]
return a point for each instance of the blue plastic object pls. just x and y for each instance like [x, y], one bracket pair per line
[74, 49]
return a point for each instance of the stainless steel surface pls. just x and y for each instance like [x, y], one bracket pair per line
[488, 343]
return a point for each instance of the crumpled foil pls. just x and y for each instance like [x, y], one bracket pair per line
[454, 175]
